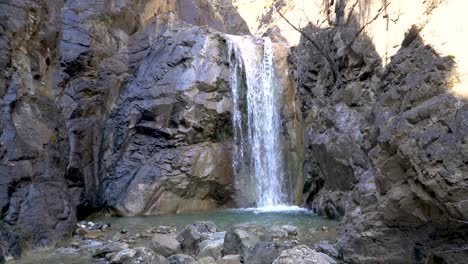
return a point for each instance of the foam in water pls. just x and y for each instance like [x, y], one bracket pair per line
[277, 209]
[256, 122]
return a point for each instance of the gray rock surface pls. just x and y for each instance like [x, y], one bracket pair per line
[266, 252]
[385, 148]
[180, 259]
[211, 248]
[100, 98]
[164, 245]
[229, 259]
[241, 239]
[145, 256]
[192, 235]
[303, 255]
[123, 256]
[327, 248]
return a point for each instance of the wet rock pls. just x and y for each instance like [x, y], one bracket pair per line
[191, 236]
[164, 245]
[123, 256]
[180, 259]
[229, 259]
[327, 248]
[303, 255]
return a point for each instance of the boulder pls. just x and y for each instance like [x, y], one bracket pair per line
[147, 256]
[241, 239]
[123, 256]
[111, 247]
[266, 252]
[211, 248]
[303, 255]
[205, 260]
[164, 245]
[192, 235]
[278, 232]
[327, 248]
[180, 259]
[292, 230]
[229, 259]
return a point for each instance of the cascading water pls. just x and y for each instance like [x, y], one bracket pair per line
[260, 174]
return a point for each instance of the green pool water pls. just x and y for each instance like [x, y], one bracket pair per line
[310, 228]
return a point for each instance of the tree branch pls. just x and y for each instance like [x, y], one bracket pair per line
[379, 12]
[329, 60]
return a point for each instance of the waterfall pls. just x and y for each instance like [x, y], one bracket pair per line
[258, 158]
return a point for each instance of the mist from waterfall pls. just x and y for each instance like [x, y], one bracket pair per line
[258, 158]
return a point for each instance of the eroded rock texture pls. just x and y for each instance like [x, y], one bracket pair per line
[116, 104]
[385, 148]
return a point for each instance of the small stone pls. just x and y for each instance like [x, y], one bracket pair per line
[324, 228]
[93, 235]
[80, 231]
[124, 231]
[96, 226]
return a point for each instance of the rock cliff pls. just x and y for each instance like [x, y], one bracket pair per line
[123, 105]
[385, 142]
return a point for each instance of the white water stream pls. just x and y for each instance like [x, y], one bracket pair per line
[258, 158]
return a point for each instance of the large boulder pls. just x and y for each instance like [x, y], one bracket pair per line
[212, 246]
[266, 252]
[303, 255]
[180, 259]
[192, 235]
[164, 245]
[241, 239]
[145, 255]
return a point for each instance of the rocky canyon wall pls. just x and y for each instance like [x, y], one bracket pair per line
[125, 105]
[110, 104]
[121, 106]
[386, 129]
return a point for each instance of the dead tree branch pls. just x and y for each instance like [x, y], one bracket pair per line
[329, 60]
[379, 12]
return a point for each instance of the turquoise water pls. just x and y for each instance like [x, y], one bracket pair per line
[302, 219]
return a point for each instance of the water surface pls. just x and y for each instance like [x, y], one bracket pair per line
[309, 228]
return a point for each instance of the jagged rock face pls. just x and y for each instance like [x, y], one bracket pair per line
[98, 98]
[167, 147]
[386, 149]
